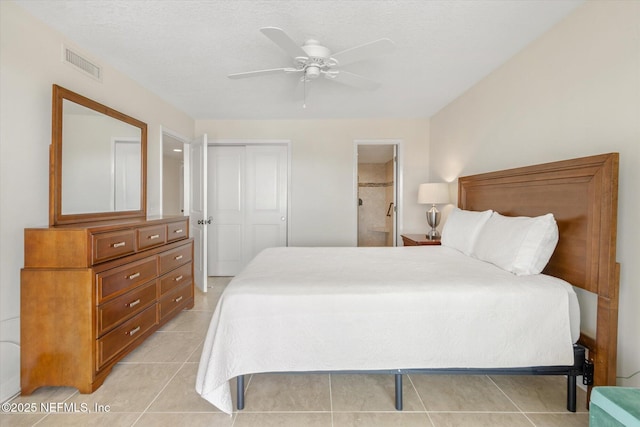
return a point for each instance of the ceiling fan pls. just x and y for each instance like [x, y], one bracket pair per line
[312, 60]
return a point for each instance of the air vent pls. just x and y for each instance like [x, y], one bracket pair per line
[81, 63]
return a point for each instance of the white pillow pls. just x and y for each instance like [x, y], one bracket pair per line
[462, 228]
[521, 245]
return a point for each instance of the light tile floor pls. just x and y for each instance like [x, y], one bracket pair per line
[154, 386]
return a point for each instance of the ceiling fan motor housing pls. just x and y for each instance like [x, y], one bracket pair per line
[318, 59]
[314, 49]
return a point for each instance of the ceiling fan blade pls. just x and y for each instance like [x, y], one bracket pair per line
[263, 73]
[354, 80]
[365, 51]
[285, 42]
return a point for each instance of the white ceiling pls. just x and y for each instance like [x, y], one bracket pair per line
[183, 50]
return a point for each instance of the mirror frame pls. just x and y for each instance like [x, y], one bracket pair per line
[56, 217]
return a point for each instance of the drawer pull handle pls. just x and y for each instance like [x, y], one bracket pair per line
[178, 258]
[177, 279]
[133, 331]
[179, 230]
[178, 299]
[153, 236]
[134, 275]
[118, 245]
[133, 303]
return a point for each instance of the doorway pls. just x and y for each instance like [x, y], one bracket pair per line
[377, 193]
[172, 175]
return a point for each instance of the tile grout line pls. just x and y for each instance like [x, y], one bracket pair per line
[157, 395]
[510, 400]
[421, 401]
[46, 415]
[182, 365]
[331, 399]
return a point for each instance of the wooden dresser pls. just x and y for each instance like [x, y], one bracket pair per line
[91, 293]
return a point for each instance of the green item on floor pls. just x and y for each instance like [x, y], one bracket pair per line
[614, 406]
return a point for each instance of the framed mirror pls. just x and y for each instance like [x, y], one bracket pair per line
[98, 162]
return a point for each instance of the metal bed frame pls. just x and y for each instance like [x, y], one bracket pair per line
[581, 366]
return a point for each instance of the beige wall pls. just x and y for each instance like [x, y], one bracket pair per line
[30, 62]
[572, 93]
[323, 197]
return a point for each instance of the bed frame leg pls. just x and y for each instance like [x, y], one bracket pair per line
[240, 392]
[571, 393]
[399, 392]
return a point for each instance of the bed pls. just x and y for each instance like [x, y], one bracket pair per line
[432, 309]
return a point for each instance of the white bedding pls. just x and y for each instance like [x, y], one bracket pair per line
[321, 309]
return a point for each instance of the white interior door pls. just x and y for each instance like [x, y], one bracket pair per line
[266, 199]
[226, 206]
[248, 197]
[198, 208]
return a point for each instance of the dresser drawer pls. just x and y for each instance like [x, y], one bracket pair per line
[175, 300]
[115, 341]
[112, 245]
[177, 230]
[175, 278]
[174, 258]
[123, 307]
[121, 279]
[149, 237]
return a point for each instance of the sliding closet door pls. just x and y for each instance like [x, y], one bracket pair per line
[226, 206]
[266, 199]
[248, 202]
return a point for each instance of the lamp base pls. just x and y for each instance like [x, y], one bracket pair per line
[433, 234]
[433, 219]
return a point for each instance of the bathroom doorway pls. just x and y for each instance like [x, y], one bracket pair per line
[172, 175]
[377, 192]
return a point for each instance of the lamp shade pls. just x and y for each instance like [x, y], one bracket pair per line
[433, 193]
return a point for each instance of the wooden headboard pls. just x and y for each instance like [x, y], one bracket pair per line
[582, 194]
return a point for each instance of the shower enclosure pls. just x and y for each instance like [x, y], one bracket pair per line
[376, 195]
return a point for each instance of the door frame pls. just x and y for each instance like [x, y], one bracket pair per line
[398, 182]
[246, 141]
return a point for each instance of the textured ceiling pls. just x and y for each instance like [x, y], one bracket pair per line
[183, 50]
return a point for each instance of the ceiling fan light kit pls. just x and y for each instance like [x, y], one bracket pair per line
[313, 60]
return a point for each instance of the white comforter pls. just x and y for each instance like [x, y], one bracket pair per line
[321, 309]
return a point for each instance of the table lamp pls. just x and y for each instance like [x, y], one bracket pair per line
[433, 193]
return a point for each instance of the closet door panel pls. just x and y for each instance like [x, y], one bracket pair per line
[266, 198]
[226, 184]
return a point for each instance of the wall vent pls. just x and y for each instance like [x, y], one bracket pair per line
[81, 63]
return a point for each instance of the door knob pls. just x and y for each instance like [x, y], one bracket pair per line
[282, 218]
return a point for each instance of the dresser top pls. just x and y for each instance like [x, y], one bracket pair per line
[118, 224]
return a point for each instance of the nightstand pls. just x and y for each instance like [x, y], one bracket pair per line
[418, 240]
